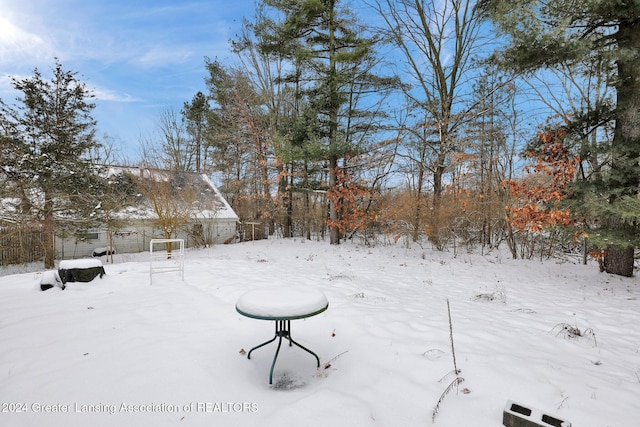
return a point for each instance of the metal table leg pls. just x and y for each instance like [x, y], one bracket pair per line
[283, 329]
[264, 343]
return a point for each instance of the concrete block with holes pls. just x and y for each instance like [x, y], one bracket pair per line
[519, 415]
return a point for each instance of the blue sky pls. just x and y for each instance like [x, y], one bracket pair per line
[140, 57]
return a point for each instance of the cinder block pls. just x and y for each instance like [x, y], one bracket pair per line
[519, 415]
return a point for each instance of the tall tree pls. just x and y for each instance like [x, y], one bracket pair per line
[173, 143]
[196, 115]
[493, 139]
[549, 34]
[280, 91]
[333, 54]
[51, 133]
[437, 41]
[239, 142]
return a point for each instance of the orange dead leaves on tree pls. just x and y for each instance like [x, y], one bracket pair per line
[536, 200]
[352, 200]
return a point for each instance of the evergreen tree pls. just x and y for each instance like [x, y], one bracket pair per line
[550, 34]
[49, 134]
[196, 115]
[277, 77]
[238, 139]
[328, 50]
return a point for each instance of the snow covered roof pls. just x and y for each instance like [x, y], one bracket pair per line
[208, 204]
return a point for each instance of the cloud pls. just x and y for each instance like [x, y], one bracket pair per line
[154, 56]
[103, 94]
[16, 42]
[144, 35]
[137, 57]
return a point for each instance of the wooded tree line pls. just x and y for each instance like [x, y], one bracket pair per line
[404, 119]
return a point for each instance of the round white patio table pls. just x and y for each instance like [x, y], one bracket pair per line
[282, 305]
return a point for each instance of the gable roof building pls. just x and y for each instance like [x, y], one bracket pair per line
[207, 217]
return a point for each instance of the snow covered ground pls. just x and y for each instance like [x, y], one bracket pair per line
[559, 337]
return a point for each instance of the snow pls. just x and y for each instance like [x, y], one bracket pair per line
[281, 302]
[221, 209]
[49, 279]
[121, 352]
[80, 263]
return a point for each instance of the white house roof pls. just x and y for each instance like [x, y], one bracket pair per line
[213, 204]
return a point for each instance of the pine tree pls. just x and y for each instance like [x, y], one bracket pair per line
[329, 50]
[238, 139]
[50, 133]
[550, 34]
[196, 115]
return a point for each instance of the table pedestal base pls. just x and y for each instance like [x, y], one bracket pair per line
[283, 330]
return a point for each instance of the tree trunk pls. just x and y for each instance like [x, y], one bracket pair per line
[619, 260]
[288, 225]
[48, 229]
[625, 171]
[437, 222]
[284, 189]
[417, 218]
[334, 232]
[334, 106]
